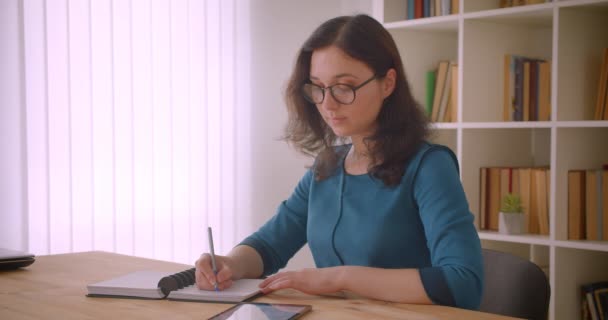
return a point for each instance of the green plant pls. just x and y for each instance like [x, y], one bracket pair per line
[511, 203]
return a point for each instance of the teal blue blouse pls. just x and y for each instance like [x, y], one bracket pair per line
[423, 223]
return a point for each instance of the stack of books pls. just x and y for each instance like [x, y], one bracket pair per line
[527, 89]
[417, 9]
[442, 92]
[532, 186]
[588, 204]
[595, 301]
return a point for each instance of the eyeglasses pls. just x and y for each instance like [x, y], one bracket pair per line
[342, 93]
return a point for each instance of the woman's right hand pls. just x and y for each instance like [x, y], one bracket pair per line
[205, 278]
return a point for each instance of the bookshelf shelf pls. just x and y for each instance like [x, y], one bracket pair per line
[506, 125]
[583, 245]
[577, 3]
[525, 238]
[444, 125]
[571, 35]
[582, 124]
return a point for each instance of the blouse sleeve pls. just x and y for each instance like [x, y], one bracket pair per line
[285, 233]
[456, 275]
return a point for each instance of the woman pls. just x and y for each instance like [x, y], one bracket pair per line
[386, 216]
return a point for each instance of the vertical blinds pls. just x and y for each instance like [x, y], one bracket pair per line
[137, 116]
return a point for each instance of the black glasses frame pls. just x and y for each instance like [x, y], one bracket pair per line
[330, 88]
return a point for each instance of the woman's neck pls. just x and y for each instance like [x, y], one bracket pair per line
[357, 160]
[360, 148]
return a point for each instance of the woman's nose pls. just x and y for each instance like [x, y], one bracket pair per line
[329, 103]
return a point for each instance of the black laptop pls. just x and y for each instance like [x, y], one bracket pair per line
[12, 259]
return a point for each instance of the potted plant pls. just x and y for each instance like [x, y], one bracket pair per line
[511, 219]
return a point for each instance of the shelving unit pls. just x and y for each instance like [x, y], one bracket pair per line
[569, 33]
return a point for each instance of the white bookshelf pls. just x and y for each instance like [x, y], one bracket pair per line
[569, 33]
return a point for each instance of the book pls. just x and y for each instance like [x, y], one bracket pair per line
[418, 9]
[452, 114]
[576, 205]
[596, 296]
[526, 91]
[601, 87]
[594, 204]
[149, 284]
[440, 80]
[542, 208]
[445, 94]
[544, 91]
[508, 87]
[534, 64]
[604, 212]
[430, 92]
[493, 198]
[455, 6]
[483, 202]
[525, 190]
[601, 301]
[411, 9]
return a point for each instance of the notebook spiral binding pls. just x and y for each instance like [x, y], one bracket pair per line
[177, 281]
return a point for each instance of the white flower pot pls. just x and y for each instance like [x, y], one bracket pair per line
[511, 223]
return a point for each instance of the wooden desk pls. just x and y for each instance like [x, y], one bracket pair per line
[54, 287]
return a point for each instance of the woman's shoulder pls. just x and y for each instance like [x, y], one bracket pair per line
[430, 152]
[428, 147]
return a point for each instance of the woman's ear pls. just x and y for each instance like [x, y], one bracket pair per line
[388, 85]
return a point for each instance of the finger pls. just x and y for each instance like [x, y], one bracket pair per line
[224, 285]
[281, 283]
[203, 284]
[224, 274]
[273, 277]
[204, 269]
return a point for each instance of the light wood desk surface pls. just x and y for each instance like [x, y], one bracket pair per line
[54, 287]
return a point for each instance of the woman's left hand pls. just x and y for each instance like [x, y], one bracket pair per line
[311, 281]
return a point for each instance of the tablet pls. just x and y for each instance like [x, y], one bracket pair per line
[263, 311]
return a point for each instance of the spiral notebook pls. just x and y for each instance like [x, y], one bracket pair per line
[149, 284]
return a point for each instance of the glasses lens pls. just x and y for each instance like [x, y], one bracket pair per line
[343, 93]
[313, 93]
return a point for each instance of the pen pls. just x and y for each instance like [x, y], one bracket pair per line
[213, 265]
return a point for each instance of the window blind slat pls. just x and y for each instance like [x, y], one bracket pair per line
[103, 125]
[80, 125]
[123, 124]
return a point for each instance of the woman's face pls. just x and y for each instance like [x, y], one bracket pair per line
[330, 66]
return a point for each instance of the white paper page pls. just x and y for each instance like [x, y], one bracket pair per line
[240, 290]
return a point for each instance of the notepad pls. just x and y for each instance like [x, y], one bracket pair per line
[148, 284]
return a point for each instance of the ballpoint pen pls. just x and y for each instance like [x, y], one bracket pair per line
[213, 265]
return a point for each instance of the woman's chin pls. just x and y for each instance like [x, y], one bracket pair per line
[340, 132]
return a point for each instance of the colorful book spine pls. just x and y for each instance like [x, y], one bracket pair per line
[429, 92]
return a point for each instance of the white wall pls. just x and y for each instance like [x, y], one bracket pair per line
[12, 155]
[278, 30]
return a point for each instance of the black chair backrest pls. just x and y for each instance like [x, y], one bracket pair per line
[514, 287]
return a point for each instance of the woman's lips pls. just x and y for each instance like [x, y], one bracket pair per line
[337, 120]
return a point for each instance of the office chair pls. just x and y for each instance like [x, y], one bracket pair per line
[514, 287]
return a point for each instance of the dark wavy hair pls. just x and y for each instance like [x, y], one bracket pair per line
[402, 125]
